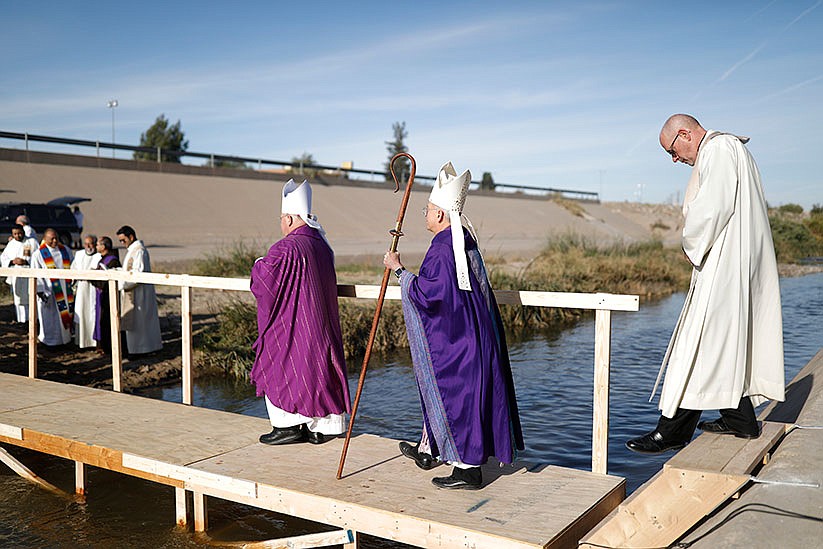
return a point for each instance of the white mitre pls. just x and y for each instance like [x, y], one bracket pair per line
[449, 193]
[296, 200]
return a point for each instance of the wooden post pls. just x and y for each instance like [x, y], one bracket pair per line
[180, 507]
[200, 518]
[79, 478]
[355, 541]
[185, 325]
[116, 355]
[32, 282]
[600, 406]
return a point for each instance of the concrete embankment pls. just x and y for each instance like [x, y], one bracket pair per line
[182, 216]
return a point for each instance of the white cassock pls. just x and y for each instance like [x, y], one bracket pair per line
[138, 302]
[52, 329]
[19, 286]
[728, 341]
[29, 231]
[85, 299]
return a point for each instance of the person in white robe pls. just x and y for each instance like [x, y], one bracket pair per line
[55, 299]
[85, 294]
[27, 228]
[17, 254]
[726, 352]
[139, 316]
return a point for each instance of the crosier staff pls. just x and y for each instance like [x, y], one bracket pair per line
[396, 233]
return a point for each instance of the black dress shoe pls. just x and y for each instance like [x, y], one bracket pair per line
[461, 479]
[317, 438]
[719, 427]
[653, 443]
[285, 435]
[422, 459]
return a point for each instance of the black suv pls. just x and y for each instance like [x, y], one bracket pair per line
[41, 217]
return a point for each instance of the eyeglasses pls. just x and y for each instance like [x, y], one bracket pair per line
[426, 211]
[670, 150]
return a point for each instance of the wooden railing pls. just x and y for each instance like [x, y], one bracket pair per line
[602, 304]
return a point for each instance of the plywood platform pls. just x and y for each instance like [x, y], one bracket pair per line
[382, 494]
[691, 485]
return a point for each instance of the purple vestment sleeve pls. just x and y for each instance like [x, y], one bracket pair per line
[460, 358]
[299, 363]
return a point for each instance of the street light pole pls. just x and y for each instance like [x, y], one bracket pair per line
[112, 104]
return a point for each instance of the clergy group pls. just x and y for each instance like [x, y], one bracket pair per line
[78, 311]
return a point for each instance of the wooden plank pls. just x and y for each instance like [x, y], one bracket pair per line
[32, 338]
[25, 472]
[186, 341]
[15, 395]
[664, 509]
[307, 541]
[11, 431]
[79, 478]
[193, 479]
[201, 522]
[600, 405]
[116, 351]
[180, 512]
[387, 496]
[726, 453]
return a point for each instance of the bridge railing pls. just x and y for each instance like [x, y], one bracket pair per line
[603, 304]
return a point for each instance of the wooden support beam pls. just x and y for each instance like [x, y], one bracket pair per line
[79, 478]
[200, 512]
[116, 353]
[354, 541]
[321, 539]
[185, 326]
[32, 282]
[664, 509]
[180, 513]
[24, 472]
[600, 406]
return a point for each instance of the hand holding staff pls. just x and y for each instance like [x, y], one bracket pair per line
[396, 234]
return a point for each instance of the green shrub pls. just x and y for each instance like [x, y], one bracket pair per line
[791, 209]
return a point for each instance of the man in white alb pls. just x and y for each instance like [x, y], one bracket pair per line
[139, 318]
[55, 298]
[726, 352]
[17, 254]
[85, 295]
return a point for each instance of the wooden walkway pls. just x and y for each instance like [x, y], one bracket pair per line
[213, 453]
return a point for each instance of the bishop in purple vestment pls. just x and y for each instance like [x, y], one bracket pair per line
[299, 365]
[458, 347]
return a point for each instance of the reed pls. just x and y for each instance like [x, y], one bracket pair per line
[568, 263]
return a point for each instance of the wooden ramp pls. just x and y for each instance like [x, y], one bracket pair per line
[698, 479]
[383, 494]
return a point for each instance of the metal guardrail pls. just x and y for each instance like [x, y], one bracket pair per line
[158, 153]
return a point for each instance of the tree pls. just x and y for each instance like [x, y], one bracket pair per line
[299, 163]
[487, 183]
[170, 139]
[398, 145]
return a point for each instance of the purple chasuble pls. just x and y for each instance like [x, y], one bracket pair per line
[102, 330]
[460, 358]
[299, 363]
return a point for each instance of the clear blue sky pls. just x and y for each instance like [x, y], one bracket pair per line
[559, 94]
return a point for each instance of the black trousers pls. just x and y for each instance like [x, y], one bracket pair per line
[684, 422]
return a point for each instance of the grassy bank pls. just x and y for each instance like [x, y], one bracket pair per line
[567, 264]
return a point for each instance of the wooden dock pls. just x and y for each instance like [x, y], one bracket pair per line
[214, 453]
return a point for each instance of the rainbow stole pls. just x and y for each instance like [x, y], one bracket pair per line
[65, 302]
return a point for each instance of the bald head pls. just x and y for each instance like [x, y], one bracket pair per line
[681, 136]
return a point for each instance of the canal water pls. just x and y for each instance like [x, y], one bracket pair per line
[553, 379]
